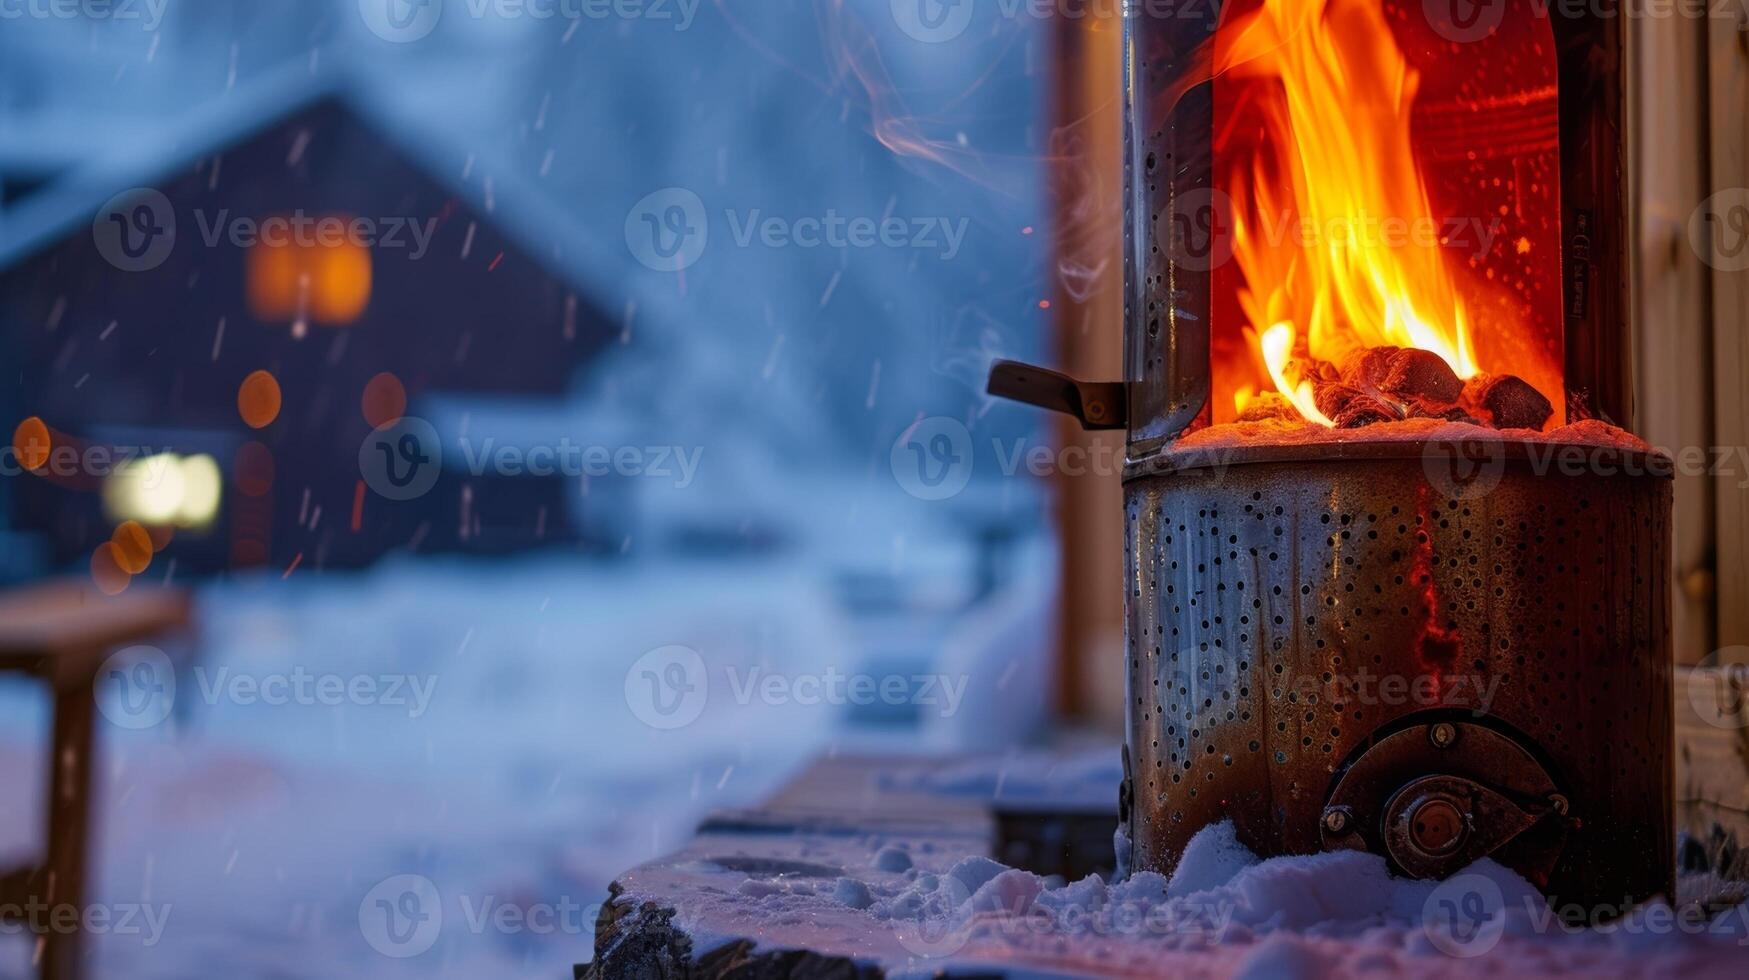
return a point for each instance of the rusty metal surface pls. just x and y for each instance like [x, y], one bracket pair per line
[1285, 616]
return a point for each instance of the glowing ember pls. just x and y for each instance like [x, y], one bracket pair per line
[1333, 229]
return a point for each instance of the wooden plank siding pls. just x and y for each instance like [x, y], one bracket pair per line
[1727, 73]
[1087, 187]
[1673, 346]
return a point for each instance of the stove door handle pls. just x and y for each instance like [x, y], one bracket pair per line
[1097, 404]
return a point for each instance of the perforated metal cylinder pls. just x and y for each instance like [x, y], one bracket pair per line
[1273, 595]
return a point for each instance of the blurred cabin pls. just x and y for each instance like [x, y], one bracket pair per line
[454, 287]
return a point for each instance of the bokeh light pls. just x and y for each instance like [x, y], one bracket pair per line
[32, 442]
[147, 490]
[291, 281]
[258, 399]
[252, 470]
[384, 401]
[132, 547]
[107, 572]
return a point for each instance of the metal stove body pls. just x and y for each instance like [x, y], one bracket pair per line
[1349, 646]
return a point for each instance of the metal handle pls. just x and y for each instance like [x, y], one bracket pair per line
[1097, 404]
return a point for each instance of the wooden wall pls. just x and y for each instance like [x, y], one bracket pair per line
[1086, 157]
[1727, 73]
[1691, 94]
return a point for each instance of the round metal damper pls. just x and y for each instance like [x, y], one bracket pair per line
[1434, 798]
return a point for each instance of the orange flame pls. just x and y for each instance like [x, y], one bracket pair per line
[1363, 265]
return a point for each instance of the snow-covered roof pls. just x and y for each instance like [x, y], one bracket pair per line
[522, 211]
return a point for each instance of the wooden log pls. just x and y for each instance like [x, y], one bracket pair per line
[1365, 410]
[1506, 401]
[1413, 374]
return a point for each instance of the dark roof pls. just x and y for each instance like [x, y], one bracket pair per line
[596, 268]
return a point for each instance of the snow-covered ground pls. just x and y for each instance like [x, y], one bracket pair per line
[483, 727]
[919, 907]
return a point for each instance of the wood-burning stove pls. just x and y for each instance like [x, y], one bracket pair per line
[1397, 574]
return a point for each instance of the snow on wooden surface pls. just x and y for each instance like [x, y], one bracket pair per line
[915, 896]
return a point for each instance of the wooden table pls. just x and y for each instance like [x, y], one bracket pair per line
[61, 633]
